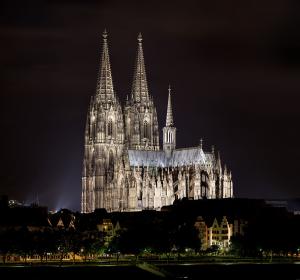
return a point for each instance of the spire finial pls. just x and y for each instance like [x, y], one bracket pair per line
[201, 143]
[169, 89]
[212, 149]
[104, 34]
[140, 38]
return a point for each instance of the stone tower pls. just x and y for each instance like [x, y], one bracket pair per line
[104, 142]
[141, 125]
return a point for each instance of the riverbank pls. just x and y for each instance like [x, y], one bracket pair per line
[146, 271]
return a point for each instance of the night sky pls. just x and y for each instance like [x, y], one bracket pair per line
[234, 67]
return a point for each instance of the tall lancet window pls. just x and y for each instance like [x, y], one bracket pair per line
[146, 130]
[110, 166]
[110, 128]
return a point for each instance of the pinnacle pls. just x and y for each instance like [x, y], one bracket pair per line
[201, 143]
[104, 34]
[169, 120]
[140, 38]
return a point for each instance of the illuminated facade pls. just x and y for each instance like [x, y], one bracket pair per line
[203, 235]
[124, 168]
[220, 233]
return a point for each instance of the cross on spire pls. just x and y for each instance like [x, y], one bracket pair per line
[140, 38]
[104, 34]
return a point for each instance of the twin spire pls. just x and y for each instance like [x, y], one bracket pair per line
[139, 90]
[104, 83]
[139, 87]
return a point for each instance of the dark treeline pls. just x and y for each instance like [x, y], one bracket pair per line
[269, 231]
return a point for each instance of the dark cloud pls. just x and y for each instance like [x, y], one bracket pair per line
[233, 66]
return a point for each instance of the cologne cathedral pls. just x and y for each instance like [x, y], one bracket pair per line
[124, 167]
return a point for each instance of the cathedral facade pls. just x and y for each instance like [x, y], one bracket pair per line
[124, 168]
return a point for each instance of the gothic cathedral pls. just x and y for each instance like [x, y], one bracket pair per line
[124, 168]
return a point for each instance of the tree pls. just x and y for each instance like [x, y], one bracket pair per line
[6, 242]
[186, 236]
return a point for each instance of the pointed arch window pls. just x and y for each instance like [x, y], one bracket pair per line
[169, 137]
[110, 166]
[146, 130]
[110, 128]
[128, 126]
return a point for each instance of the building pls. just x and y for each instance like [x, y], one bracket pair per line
[201, 226]
[108, 229]
[218, 231]
[124, 168]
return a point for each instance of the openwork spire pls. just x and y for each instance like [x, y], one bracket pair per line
[139, 86]
[104, 83]
[169, 120]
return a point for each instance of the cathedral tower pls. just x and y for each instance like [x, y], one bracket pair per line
[140, 113]
[169, 131]
[123, 166]
[104, 141]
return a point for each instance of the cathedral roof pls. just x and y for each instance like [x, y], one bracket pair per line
[179, 157]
